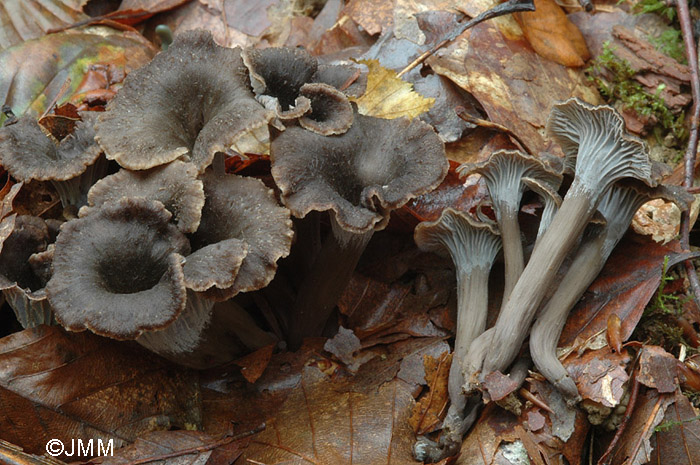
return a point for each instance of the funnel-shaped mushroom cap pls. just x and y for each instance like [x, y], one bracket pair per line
[504, 172]
[118, 270]
[331, 112]
[595, 140]
[375, 167]
[29, 236]
[346, 78]
[470, 244]
[27, 152]
[279, 73]
[242, 234]
[190, 101]
[175, 185]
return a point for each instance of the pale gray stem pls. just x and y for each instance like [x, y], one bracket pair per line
[516, 315]
[512, 248]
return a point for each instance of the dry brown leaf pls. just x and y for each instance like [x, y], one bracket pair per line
[388, 96]
[658, 219]
[552, 35]
[58, 385]
[430, 410]
[374, 16]
[317, 424]
[253, 365]
[678, 441]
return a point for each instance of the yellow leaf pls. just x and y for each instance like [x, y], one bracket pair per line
[388, 96]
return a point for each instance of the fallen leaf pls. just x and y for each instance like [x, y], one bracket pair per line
[515, 86]
[388, 96]
[657, 369]
[253, 365]
[151, 6]
[374, 16]
[317, 424]
[498, 386]
[634, 447]
[430, 410]
[33, 73]
[658, 219]
[677, 438]
[22, 20]
[600, 375]
[552, 35]
[58, 385]
[178, 448]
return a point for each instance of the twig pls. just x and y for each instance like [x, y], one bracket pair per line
[511, 6]
[691, 53]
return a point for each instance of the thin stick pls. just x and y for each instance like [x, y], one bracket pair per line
[511, 6]
[691, 53]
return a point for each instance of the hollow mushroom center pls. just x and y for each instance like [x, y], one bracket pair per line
[132, 269]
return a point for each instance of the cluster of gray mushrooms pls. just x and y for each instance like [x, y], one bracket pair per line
[161, 248]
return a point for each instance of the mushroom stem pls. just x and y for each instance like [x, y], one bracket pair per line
[512, 248]
[325, 282]
[514, 320]
[550, 323]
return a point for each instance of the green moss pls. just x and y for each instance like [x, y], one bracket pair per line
[660, 7]
[614, 78]
[670, 43]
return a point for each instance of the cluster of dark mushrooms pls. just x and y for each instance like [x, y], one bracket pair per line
[159, 250]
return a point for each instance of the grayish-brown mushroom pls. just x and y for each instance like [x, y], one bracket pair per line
[72, 165]
[605, 153]
[175, 185]
[473, 248]
[618, 206]
[358, 177]
[550, 199]
[118, 270]
[331, 112]
[189, 102]
[22, 286]
[241, 215]
[504, 172]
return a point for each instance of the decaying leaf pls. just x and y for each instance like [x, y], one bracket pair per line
[430, 410]
[58, 385]
[658, 219]
[600, 375]
[253, 365]
[319, 425]
[552, 35]
[657, 369]
[35, 72]
[677, 438]
[388, 96]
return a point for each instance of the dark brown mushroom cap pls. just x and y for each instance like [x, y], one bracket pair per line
[118, 270]
[242, 213]
[504, 172]
[190, 101]
[29, 236]
[455, 234]
[376, 166]
[27, 152]
[279, 72]
[175, 185]
[331, 112]
[215, 265]
[594, 140]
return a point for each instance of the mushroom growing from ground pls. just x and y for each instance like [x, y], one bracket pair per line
[118, 270]
[604, 153]
[504, 172]
[22, 286]
[189, 102]
[358, 177]
[72, 165]
[473, 248]
[618, 207]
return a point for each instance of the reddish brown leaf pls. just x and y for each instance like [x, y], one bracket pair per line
[634, 447]
[600, 375]
[319, 425]
[552, 35]
[498, 386]
[515, 86]
[613, 333]
[374, 16]
[430, 410]
[657, 369]
[678, 440]
[253, 365]
[13, 455]
[624, 287]
[62, 121]
[79, 386]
